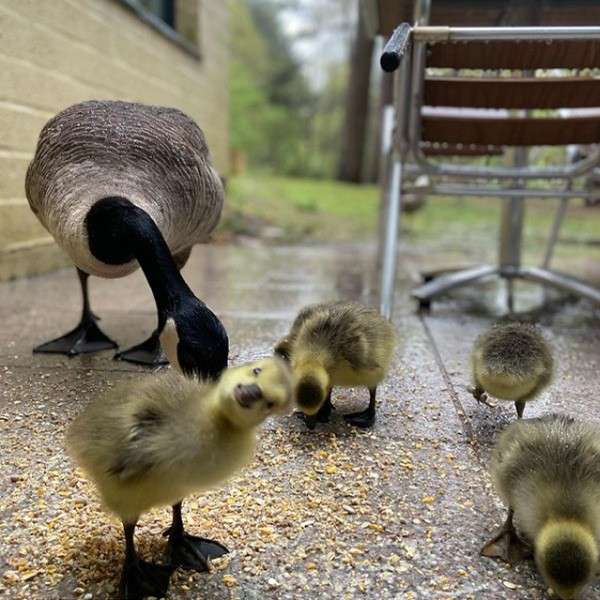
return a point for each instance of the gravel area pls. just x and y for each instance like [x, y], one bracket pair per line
[396, 512]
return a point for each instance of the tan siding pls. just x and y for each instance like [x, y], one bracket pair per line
[12, 180]
[26, 83]
[56, 53]
[16, 224]
[20, 126]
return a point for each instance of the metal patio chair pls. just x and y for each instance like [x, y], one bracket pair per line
[473, 115]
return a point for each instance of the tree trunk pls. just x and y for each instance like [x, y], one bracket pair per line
[357, 106]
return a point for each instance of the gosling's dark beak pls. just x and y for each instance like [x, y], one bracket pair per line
[247, 395]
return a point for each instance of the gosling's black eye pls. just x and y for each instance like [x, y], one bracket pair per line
[270, 405]
[256, 371]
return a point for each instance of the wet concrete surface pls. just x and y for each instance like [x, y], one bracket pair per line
[399, 511]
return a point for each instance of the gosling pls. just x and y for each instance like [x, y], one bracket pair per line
[337, 344]
[547, 472]
[153, 443]
[511, 361]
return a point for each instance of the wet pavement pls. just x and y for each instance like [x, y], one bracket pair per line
[396, 512]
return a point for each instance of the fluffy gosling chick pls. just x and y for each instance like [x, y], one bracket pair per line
[547, 472]
[154, 442]
[337, 344]
[511, 361]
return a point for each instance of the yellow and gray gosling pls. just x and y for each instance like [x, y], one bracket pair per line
[337, 344]
[511, 361]
[547, 472]
[154, 442]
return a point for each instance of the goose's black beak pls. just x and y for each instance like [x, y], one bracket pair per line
[247, 395]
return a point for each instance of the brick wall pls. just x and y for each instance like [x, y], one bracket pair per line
[54, 53]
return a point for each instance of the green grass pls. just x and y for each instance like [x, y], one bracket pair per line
[300, 210]
[464, 222]
[305, 210]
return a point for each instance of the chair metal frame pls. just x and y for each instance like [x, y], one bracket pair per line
[405, 53]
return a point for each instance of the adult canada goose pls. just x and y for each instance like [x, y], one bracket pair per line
[154, 442]
[337, 344]
[547, 472]
[121, 185]
[511, 361]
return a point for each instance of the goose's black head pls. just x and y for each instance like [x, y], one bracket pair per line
[195, 341]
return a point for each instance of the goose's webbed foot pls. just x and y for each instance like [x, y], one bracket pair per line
[192, 552]
[85, 338]
[148, 353]
[140, 579]
[506, 544]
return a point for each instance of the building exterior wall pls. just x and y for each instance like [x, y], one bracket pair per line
[56, 53]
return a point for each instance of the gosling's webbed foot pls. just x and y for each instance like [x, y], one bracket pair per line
[480, 395]
[147, 353]
[364, 418]
[507, 545]
[309, 420]
[140, 579]
[192, 552]
[85, 338]
[323, 416]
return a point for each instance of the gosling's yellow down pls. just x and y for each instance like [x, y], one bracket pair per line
[154, 442]
[511, 361]
[547, 472]
[337, 344]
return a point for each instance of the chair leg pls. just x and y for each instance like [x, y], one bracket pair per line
[510, 295]
[560, 214]
[456, 279]
[561, 281]
[390, 241]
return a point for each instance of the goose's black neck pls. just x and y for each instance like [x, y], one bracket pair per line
[119, 232]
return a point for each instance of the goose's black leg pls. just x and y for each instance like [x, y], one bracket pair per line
[364, 418]
[188, 551]
[148, 352]
[86, 337]
[139, 578]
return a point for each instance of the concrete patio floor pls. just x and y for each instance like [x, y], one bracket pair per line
[397, 512]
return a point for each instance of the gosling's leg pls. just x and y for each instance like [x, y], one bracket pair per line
[506, 544]
[364, 418]
[86, 337]
[480, 395]
[322, 416]
[520, 406]
[149, 352]
[139, 578]
[188, 551]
